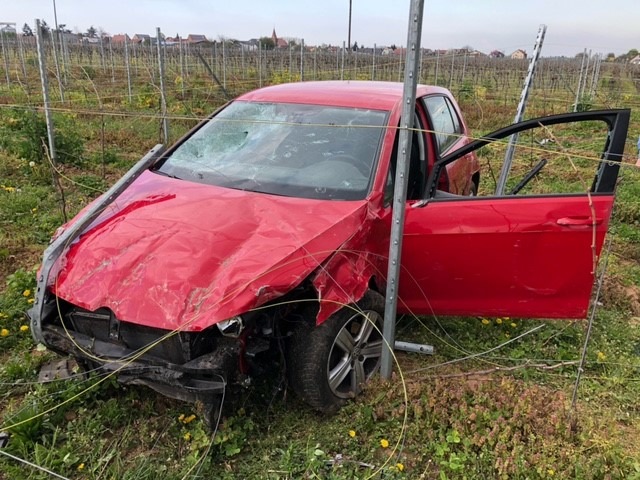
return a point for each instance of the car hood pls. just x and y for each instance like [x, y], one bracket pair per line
[173, 254]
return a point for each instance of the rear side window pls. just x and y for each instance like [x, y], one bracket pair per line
[444, 121]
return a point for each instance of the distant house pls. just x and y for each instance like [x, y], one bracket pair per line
[476, 54]
[120, 38]
[249, 45]
[196, 38]
[141, 38]
[519, 55]
[496, 54]
[278, 42]
[635, 60]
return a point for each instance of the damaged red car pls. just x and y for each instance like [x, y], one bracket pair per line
[264, 233]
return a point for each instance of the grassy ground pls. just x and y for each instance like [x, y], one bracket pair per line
[506, 414]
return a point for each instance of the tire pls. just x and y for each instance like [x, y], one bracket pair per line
[328, 364]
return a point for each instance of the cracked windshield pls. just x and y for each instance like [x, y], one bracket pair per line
[308, 151]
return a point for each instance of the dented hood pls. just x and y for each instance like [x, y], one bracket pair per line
[173, 254]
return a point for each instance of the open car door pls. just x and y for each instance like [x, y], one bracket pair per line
[531, 252]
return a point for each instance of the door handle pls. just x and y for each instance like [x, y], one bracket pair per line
[579, 221]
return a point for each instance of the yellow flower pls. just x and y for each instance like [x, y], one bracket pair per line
[187, 436]
[352, 433]
[384, 443]
[400, 467]
[485, 321]
[26, 293]
[551, 472]
[498, 321]
[506, 335]
[189, 419]
[513, 324]
[31, 300]
[24, 328]
[4, 332]
[81, 467]
[181, 417]
[601, 356]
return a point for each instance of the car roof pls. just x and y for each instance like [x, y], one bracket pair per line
[357, 94]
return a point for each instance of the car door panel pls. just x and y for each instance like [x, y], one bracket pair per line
[521, 256]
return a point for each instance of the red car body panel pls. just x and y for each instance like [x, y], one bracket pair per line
[476, 261]
[160, 259]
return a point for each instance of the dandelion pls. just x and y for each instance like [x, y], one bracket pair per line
[352, 433]
[601, 356]
[513, 324]
[4, 332]
[485, 321]
[189, 419]
[506, 335]
[81, 467]
[384, 443]
[31, 300]
[181, 417]
[33, 164]
[551, 472]
[34, 209]
[187, 436]
[26, 293]
[24, 328]
[400, 467]
[498, 321]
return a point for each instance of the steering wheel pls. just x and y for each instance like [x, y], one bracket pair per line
[360, 164]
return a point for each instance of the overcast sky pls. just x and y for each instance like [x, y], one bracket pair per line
[611, 26]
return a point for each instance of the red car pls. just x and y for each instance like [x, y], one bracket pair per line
[263, 236]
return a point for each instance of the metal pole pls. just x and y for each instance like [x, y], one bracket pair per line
[260, 63]
[435, 81]
[224, 64]
[102, 59]
[181, 64]
[55, 53]
[575, 105]
[586, 75]
[163, 97]
[45, 93]
[508, 158]
[22, 61]
[400, 191]
[55, 60]
[113, 68]
[373, 66]
[126, 62]
[342, 65]
[453, 61]
[349, 36]
[302, 60]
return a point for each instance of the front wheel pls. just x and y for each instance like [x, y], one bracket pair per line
[330, 363]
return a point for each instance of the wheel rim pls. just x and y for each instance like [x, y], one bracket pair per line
[355, 354]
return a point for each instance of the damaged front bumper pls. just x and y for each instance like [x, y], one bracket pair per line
[198, 379]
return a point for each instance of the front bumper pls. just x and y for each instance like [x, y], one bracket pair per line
[196, 380]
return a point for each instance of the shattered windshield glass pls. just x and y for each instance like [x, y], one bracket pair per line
[308, 151]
